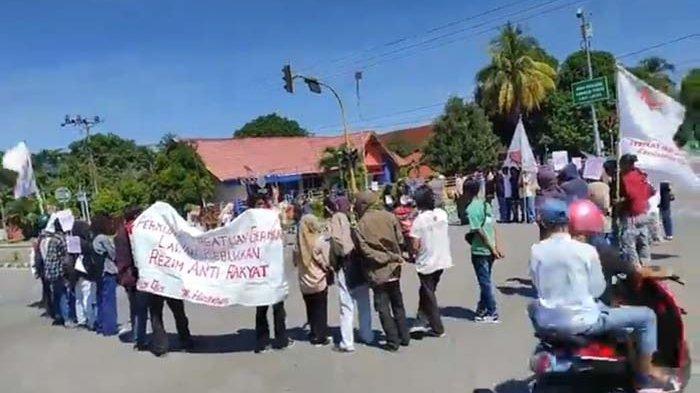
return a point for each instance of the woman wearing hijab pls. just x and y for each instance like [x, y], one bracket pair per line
[313, 264]
[353, 290]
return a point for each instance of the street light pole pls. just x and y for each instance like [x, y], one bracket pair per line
[586, 34]
[353, 186]
[86, 124]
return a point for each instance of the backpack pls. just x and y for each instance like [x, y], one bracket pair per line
[94, 263]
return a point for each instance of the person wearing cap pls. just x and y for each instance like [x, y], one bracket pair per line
[635, 191]
[569, 280]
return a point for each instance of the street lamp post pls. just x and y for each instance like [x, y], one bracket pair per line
[85, 124]
[586, 34]
[315, 86]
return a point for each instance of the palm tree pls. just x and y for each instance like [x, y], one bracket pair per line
[519, 76]
[654, 70]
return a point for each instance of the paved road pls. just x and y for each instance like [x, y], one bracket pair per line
[36, 357]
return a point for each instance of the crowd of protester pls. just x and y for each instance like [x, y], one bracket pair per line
[358, 245]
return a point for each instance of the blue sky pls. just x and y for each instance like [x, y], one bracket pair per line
[202, 69]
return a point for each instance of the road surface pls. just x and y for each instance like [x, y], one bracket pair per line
[36, 357]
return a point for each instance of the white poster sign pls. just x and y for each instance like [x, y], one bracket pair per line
[593, 169]
[577, 161]
[241, 263]
[559, 159]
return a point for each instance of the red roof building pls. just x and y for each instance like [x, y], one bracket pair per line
[292, 162]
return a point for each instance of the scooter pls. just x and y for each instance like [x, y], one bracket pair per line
[574, 363]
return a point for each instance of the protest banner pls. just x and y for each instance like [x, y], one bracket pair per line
[593, 169]
[648, 121]
[559, 159]
[241, 263]
[578, 162]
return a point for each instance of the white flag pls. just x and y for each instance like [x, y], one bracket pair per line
[520, 153]
[19, 159]
[648, 121]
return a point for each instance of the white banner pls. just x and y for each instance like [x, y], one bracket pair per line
[648, 121]
[241, 263]
[19, 159]
[519, 152]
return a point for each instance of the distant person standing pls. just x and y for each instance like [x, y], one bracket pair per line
[431, 245]
[54, 259]
[572, 184]
[484, 250]
[103, 246]
[504, 192]
[516, 202]
[666, 197]
[529, 187]
[380, 242]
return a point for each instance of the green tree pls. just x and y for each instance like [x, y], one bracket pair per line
[400, 147]
[463, 139]
[690, 97]
[575, 69]
[519, 77]
[270, 125]
[654, 70]
[179, 176]
[334, 167]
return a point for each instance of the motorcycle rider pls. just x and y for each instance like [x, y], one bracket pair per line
[568, 276]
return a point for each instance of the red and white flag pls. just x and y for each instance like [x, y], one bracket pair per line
[19, 159]
[519, 152]
[648, 121]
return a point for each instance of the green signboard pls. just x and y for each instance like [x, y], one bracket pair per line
[590, 90]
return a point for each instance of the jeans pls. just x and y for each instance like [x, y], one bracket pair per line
[503, 209]
[349, 300]
[317, 315]
[483, 265]
[262, 328]
[85, 293]
[59, 301]
[635, 241]
[138, 314]
[530, 209]
[667, 221]
[515, 206]
[654, 227]
[70, 296]
[160, 337]
[107, 305]
[428, 309]
[388, 301]
[641, 320]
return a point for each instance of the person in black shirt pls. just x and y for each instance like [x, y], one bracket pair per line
[665, 208]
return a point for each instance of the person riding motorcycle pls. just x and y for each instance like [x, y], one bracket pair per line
[569, 280]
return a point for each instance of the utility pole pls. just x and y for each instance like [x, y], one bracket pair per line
[586, 34]
[85, 124]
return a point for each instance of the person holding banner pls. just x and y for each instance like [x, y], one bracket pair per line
[262, 327]
[313, 264]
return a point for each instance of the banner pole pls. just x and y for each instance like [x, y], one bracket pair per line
[618, 154]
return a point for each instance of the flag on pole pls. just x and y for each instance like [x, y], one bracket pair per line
[19, 159]
[648, 121]
[520, 153]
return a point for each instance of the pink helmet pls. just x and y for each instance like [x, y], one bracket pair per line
[585, 218]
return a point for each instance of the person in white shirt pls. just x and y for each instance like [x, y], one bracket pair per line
[431, 246]
[568, 277]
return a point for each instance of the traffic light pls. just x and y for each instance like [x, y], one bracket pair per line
[287, 77]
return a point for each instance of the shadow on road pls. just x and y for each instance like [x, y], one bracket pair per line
[510, 386]
[525, 288]
[458, 312]
[656, 256]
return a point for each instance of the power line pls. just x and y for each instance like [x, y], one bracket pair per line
[461, 38]
[399, 40]
[659, 45]
[392, 114]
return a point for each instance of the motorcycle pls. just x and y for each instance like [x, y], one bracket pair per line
[574, 363]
